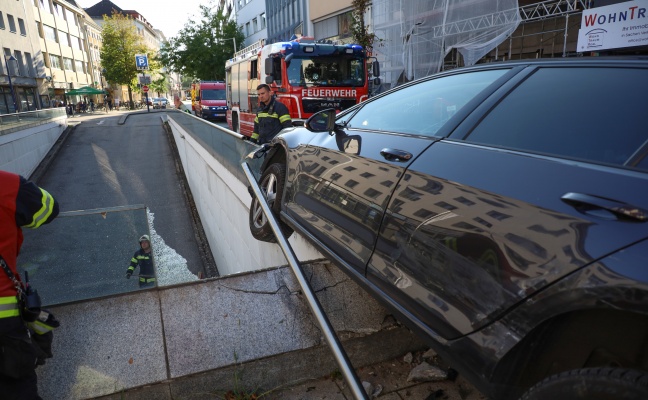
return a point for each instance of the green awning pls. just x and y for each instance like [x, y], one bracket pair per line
[84, 90]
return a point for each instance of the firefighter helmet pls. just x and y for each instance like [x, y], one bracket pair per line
[143, 238]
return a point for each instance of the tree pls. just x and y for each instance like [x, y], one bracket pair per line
[201, 48]
[121, 43]
[359, 27]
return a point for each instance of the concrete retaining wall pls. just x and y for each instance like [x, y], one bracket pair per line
[21, 151]
[223, 203]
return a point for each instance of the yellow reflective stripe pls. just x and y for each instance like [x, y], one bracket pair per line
[256, 120]
[255, 135]
[44, 212]
[131, 268]
[9, 313]
[39, 327]
[9, 307]
[266, 115]
[284, 118]
[8, 300]
[147, 280]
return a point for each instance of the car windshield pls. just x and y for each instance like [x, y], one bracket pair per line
[213, 94]
[326, 71]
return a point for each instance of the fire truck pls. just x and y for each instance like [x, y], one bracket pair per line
[208, 99]
[305, 75]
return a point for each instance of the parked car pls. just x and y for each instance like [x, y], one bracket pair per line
[501, 211]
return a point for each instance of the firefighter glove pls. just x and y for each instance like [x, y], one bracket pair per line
[45, 323]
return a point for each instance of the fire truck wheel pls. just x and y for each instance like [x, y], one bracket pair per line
[272, 185]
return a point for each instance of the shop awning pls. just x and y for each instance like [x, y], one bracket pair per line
[84, 90]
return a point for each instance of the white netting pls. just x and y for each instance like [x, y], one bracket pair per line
[416, 35]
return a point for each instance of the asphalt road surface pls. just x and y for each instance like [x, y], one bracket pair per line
[103, 165]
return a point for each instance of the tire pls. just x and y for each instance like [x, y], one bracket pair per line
[592, 384]
[272, 184]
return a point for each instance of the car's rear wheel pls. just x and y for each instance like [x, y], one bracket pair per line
[592, 384]
[272, 185]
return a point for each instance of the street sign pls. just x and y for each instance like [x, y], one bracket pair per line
[141, 61]
[145, 88]
[145, 79]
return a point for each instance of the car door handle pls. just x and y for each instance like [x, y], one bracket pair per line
[395, 155]
[588, 204]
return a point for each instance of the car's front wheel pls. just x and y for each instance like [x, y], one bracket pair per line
[272, 185]
[592, 384]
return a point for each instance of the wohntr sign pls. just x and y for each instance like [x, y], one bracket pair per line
[616, 26]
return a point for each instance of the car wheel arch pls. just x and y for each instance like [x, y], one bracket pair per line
[574, 340]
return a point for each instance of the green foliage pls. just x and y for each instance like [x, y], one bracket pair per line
[201, 48]
[120, 44]
[359, 27]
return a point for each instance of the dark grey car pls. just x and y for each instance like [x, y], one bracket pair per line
[500, 210]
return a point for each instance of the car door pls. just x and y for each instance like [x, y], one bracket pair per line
[342, 183]
[528, 189]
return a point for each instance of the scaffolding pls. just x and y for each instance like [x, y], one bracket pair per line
[418, 38]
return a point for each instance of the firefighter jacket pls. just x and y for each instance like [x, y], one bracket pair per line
[270, 120]
[22, 204]
[145, 262]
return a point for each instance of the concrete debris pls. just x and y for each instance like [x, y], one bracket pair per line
[429, 355]
[371, 390]
[425, 372]
[408, 358]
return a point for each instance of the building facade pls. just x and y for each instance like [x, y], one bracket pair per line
[64, 45]
[285, 18]
[251, 17]
[22, 76]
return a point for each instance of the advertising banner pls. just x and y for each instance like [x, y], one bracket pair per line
[616, 26]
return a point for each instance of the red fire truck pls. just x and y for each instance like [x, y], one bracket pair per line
[208, 99]
[305, 75]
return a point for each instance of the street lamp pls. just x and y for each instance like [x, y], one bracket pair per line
[234, 39]
[13, 95]
[101, 75]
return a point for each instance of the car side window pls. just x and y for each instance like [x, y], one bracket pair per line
[595, 114]
[424, 107]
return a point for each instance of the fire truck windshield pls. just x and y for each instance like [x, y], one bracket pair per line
[213, 94]
[326, 71]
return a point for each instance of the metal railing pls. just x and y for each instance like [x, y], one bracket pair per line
[15, 120]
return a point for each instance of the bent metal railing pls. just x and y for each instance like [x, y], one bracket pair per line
[329, 334]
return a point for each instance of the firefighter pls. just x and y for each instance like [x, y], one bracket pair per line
[144, 258]
[271, 118]
[22, 204]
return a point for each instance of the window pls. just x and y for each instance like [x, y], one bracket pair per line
[64, 37]
[50, 33]
[29, 64]
[423, 108]
[594, 114]
[247, 29]
[75, 42]
[55, 61]
[20, 63]
[79, 66]
[12, 23]
[2, 24]
[255, 25]
[70, 17]
[57, 10]
[21, 25]
[39, 30]
[67, 62]
[263, 21]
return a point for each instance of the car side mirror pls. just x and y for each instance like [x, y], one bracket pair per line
[322, 121]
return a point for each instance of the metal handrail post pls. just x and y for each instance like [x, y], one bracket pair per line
[338, 352]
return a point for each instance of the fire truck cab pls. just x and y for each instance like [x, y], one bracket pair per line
[305, 75]
[208, 99]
